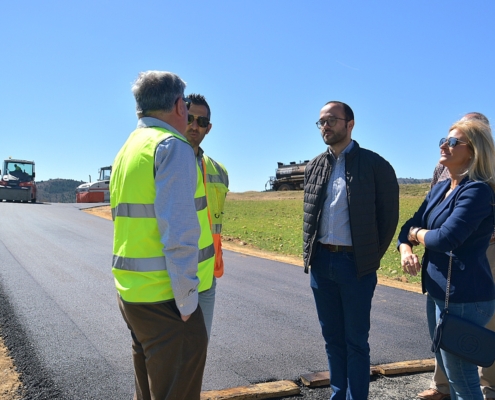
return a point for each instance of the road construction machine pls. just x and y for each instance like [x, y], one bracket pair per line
[17, 181]
[288, 176]
[95, 192]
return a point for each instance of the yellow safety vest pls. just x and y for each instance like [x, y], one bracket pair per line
[217, 185]
[139, 265]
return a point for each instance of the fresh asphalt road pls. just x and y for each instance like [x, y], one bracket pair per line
[59, 315]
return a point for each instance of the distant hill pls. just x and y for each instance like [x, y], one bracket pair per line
[406, 181]
[57, 190]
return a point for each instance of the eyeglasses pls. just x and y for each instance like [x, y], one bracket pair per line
[451, 141]
[330, 122]
[203, 122]
[187, 100]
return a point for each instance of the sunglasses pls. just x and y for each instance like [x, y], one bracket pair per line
[203, 122]
[451, 141]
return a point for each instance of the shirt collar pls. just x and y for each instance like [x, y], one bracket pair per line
[148, 122]
[345, 151]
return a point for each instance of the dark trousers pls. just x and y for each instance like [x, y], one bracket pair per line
[169, 354]
[343, 304]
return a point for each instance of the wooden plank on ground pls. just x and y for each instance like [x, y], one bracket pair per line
[317, 379]
[376, 370]
[267, 390]
[408, 367]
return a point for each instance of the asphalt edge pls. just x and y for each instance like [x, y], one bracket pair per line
[396, 284]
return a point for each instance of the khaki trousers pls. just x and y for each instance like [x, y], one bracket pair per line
[487, 375]
[169, 354]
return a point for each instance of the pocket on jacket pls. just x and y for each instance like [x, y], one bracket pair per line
[218, 201]
[441, 261]
[457, 264]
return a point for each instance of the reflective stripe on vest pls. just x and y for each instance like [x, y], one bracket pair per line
[146, 210]
[216, 228]
[139, 266]
[155, 263]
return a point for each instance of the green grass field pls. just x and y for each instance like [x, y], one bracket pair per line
[272, 221]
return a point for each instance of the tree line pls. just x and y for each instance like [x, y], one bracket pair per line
[57, 190]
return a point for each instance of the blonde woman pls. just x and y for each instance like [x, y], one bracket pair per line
[457, 215]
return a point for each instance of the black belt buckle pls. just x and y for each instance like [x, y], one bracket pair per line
[337, 248]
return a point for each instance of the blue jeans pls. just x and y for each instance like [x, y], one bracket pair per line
[343, 304]
[207, 303]
[463, 376]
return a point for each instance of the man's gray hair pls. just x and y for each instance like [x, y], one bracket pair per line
[157, 90]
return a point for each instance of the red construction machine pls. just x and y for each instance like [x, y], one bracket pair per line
[95, 192]
[17, 181]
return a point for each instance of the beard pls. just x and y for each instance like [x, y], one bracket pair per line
[335, 137]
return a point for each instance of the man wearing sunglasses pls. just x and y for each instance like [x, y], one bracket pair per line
[216, 182]
[163, 253]
[351, 210]
[439, 387]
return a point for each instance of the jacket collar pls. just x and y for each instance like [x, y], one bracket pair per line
[438, 202]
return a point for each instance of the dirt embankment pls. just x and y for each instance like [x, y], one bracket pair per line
[10, 383]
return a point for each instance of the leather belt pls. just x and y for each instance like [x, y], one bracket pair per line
[334, 248]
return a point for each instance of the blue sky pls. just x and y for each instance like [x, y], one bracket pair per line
[408, 70]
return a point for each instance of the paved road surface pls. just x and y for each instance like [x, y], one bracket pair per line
[59, 315]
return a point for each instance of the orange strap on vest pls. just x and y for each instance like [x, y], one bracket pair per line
[217, 238]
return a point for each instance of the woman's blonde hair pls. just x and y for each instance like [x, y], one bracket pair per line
[480, 140]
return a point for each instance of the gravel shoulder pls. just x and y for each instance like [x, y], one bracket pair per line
[10, 384]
